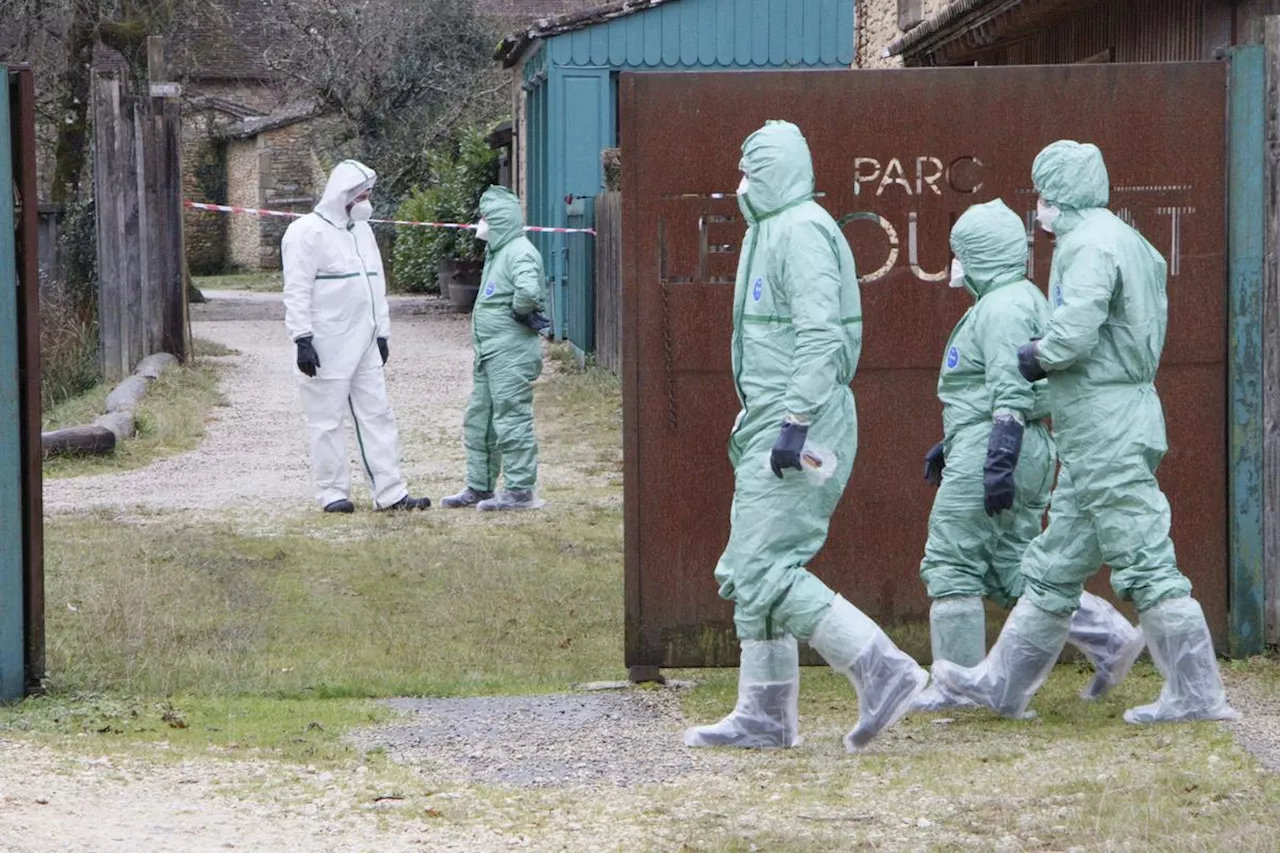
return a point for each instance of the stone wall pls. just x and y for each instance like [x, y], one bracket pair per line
[880, 20]
[279, 169]
[244, 238]
[204, 178]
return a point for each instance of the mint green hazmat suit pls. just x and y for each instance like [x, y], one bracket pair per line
[970, 555]
[797, 336]
[1100, 353]
[498, 424]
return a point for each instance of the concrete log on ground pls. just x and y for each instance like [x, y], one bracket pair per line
[92, 439]
[126, 396]
[120, 423]
[153, 365]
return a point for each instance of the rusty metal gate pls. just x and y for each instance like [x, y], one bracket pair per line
[899, 155]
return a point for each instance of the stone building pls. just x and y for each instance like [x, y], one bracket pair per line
[246, 141]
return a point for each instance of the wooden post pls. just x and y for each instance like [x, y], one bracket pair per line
[168, 251]
[1271, 332]
[115, 179]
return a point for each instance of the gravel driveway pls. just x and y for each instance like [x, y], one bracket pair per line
[252, 463]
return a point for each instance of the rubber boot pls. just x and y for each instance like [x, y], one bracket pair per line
[466, 498]
[885, 678]
[767, 715]
[958, 633]
[1183, 652]
[1017, 666]
[1108, 640]
[408, 503]
[340, 505]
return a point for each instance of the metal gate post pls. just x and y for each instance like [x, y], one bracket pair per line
[1246, 212]
[12, 637]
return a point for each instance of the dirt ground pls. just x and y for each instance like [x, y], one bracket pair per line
[591, 770]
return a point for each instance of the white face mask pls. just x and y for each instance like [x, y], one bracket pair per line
[1046, 215]
[742, 187]
[361, 211]
[482, 230]
[957, 274]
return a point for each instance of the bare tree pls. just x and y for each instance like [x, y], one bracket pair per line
[401, 73]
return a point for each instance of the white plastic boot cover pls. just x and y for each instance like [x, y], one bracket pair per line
[1107, 639]
[767, 714]
[1018, 665]
[1183, 652]
[885, 679]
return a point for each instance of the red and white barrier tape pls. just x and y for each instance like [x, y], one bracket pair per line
[253, 211]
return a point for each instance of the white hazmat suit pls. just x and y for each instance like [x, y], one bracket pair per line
[335, 294]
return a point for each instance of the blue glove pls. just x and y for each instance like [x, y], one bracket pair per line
[1003, 448]
[383, 350]
[786, 449]
[1029, 362]
[934, 462]
[535, 320]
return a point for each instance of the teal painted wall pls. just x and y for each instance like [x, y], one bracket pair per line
[571, 81]
[12, 654]
[1246, 239]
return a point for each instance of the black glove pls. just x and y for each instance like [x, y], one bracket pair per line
[934, 462]
[308, 361]
[1029, 362]
[1003, 448]
[382, 349]
[786, 450]
[535, 319]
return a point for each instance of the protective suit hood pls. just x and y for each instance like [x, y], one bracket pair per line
[1071, 176]
[500, 207]
[991, 243]
[779, 169]
[347, 180]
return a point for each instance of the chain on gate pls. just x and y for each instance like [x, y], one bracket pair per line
[668, 373]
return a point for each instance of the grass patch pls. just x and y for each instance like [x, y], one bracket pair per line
[205, 348]
[170, 419]
[1077, 777]
[438, 605]
[267, 281]
[300, 730]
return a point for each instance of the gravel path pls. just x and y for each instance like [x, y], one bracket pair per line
[1258, 729]
[252, 462]
[547, 741]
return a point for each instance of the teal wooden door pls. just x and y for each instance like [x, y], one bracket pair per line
[581, 302]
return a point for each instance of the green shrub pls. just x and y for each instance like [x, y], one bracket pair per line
[459, 176]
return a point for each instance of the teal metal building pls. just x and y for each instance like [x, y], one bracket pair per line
[565, 95]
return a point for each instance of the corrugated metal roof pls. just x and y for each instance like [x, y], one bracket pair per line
[514, 45]
[710, 34]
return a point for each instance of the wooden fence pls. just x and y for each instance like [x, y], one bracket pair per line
[608, 283]
[142, 304]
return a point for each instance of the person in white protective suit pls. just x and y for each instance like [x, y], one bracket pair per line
[335, 303]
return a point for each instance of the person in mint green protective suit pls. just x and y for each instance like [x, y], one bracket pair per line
[1100, 353]
[797, 336]
[497, 428]
[995, 464]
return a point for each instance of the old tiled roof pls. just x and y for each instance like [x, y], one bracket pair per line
[250, 127]
[226, 40]
[512, 46]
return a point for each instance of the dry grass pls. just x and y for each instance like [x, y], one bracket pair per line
[258, 282]
[170, 419]
[248, 640]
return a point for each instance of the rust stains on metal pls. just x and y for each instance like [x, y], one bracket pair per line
[896, 168]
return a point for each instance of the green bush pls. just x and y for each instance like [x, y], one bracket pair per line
[459, 176]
